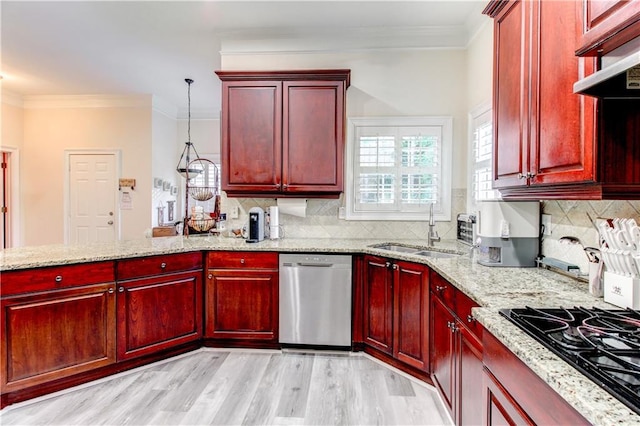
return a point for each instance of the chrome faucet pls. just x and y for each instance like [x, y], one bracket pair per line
[432, 236]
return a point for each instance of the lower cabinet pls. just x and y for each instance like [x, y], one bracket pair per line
[65, 326]
[396, 309]
[241, 296]
[513, 394]
[159, 303]
[456, 352]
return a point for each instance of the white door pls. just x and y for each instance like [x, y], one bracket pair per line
[5, 234]
[92, 198]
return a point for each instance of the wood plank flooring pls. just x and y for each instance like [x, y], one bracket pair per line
[222, 387]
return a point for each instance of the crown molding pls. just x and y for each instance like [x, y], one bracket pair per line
[164, 107]
[12, 98]
[280, 41]
[87, 101]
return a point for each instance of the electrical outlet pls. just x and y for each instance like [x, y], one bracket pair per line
[546, 224]
[341, 213]
[235, 212]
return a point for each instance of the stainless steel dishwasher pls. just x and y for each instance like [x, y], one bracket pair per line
[315, 299]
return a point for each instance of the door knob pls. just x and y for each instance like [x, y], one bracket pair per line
[110, 222]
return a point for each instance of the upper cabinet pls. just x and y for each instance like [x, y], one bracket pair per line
[549, 143]
[608, 24]
[283, 132]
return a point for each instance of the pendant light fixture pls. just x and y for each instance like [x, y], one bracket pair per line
[185, 168]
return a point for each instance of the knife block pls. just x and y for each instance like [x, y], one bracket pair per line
[621, 291]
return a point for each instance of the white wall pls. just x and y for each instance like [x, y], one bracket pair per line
[163, 163]
[49, 131]
[12, 140]
[480, 67]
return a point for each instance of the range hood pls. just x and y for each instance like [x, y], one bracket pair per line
[619, 76]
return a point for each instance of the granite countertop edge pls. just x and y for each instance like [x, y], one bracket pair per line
[492, 288]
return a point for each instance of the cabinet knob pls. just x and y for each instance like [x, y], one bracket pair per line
[387, 264]
[284, 186]
[441, 288]
[242, 261]
[521, 176]
[210, 276]
[470, 318]
[394, 267]
[110, 290]
[121, 289]
[163, 265]
[530, 175]
[110, 222]
[58, 278]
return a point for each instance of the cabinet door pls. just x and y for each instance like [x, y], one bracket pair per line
[313, 136]
[562, 123]
[609, 24]
[158, 313]
[251, 142]
[411, 314]
[443, 360]
[469, 380]
[500, 408]
[242, 304]
[378, 304]
[47, 336]
[510, 106]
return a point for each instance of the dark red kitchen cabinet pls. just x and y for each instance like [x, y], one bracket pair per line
[158, 313]
[241, 297]
[396, 310]
[513, 392]
[283, 132]
[543, 133]
[456, 351]
[378, 303]
[411, 314]
[50, 335]
[608, 25]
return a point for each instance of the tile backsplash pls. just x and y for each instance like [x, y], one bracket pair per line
[568, 218]
[571, 218]
[322, 220]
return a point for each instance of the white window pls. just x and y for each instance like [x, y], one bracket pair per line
[397, 167]
[481, 157]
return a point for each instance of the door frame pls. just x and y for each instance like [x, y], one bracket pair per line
[15, 236]
[67, 190]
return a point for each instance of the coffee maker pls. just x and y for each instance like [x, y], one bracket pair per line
[508, 233]
[256, 225]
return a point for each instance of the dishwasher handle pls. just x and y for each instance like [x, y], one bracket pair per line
[317, 265]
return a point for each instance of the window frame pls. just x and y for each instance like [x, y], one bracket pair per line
[442, 208]
[482, 113]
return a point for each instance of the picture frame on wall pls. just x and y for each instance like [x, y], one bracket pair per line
[174, 190]
[166, 186]
[157, 182]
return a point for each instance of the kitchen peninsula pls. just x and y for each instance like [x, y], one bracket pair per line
[490, 288]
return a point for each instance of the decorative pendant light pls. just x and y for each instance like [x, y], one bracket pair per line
[185, 168]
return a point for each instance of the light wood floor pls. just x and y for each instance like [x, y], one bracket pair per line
[221, 387]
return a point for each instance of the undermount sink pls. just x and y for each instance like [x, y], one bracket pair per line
[419, 251]
[438, 254]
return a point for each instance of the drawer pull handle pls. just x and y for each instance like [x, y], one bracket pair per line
[110, 290]
[470, 318]
[163, 265]
[441, 288]
[121, 289]
[59, 278]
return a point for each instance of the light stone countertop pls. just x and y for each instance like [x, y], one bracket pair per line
[492, 288]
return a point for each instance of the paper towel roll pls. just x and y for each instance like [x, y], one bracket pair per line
[274, 219]
[293, 206]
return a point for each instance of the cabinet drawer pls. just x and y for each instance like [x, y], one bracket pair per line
[241, 259]
[443, 289]
[158, 265]
[463, 311]
[56, 277]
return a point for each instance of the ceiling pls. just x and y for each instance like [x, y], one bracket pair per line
[150, 47]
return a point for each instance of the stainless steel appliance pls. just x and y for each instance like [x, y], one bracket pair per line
[508, 233]
[604, 345]
[315, 300]
[256, 225]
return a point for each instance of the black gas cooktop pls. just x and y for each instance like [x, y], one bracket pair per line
[602, 344]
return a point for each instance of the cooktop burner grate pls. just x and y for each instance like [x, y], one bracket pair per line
[604, 345]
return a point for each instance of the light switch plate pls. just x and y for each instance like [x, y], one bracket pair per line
[234, 212]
